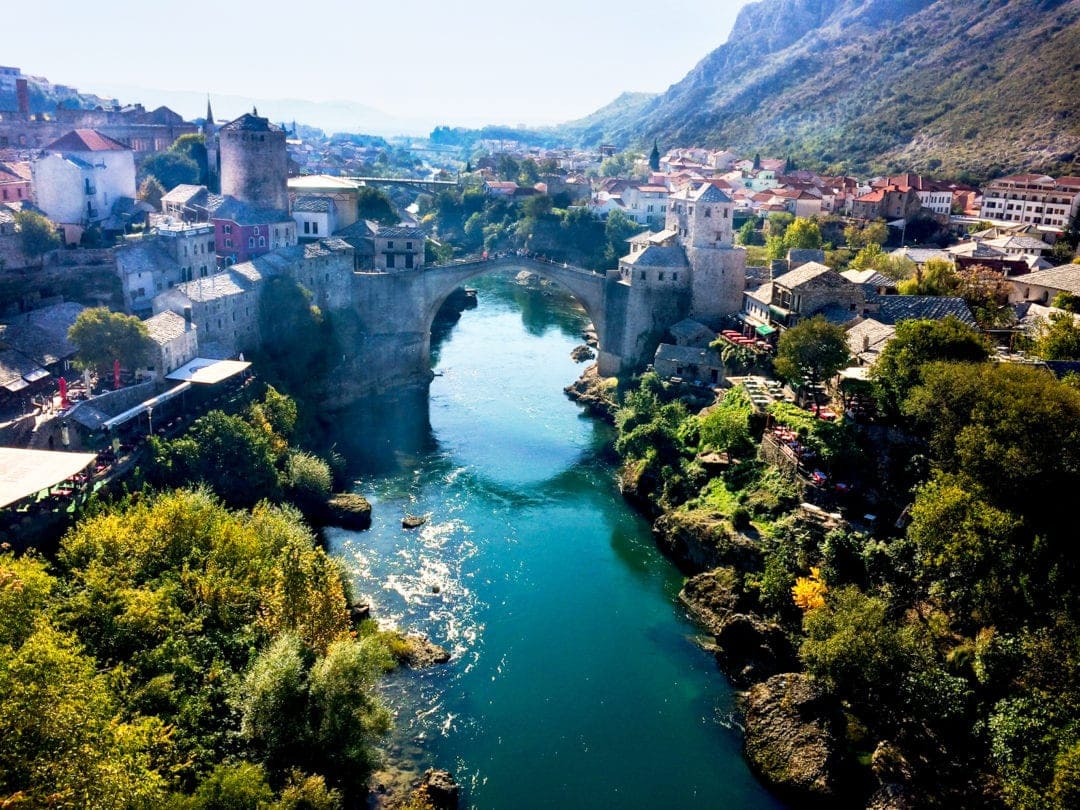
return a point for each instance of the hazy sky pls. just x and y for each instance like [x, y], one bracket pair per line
[463, 62]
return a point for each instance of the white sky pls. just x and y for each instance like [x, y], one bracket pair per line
[460, 62]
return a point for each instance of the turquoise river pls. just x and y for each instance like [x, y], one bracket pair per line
[575, 681]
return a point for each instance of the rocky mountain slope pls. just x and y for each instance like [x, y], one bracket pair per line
[976, 87]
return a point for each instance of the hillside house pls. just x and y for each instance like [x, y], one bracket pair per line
[79, 177]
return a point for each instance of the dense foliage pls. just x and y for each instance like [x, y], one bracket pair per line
[542, 224]
[953, 636]
[182, 655]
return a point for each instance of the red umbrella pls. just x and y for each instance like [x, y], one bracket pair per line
[116, 373]
[63, 393]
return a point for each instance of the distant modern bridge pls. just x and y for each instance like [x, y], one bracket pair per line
[430, 186]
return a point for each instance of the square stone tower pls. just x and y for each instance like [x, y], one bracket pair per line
[701, 217]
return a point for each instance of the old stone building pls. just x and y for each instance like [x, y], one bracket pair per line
[175, 252]
[399, 248]
[254, 162]
[225, 306]
[175, 339]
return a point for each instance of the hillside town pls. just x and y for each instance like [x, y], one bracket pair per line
[192, 260]
[774, 545]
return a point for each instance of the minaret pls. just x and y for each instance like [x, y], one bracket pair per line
[213, 154]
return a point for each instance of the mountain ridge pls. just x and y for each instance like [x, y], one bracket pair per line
[971, 88]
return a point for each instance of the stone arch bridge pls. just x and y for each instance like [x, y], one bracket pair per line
[393, 311]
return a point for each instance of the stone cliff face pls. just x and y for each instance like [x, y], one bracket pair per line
[933, 85]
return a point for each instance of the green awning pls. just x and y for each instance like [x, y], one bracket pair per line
[765, 330]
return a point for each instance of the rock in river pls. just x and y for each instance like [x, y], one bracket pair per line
[420, 653]
[413, 521]
[795, 740]
[348, 510]
[438, 789]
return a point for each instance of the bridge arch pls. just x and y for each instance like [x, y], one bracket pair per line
[587, 288]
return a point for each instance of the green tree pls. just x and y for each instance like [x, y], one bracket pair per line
[620, 165]
[617, 229]
[970, 553]
[748, 234]
[774, 247]
[320, 712]
[239, 786]
[937, 277]
[802, 233]
[853, 646]
[1066, 301]
[898, 368]
[37, 236]
[151, 192]
[372, 203]
[507, 167]
[528, 173]
[1058, 338]
[654, 157]
[859, 236]
[871, 257]
[193, 147]
[811, 352]
[63, 740]
[171, 169]
[226, 453]
[726, 426]
[102, 337]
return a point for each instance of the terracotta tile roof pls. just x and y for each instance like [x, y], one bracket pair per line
[86, 140]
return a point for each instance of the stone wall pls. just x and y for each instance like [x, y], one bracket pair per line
[719, 279]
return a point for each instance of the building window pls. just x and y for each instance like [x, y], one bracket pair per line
[708, 213]
[408, 245]
[228, 229]
[251, 241]
[660, 276]
[262, 241]
[642, 275]
[228, 243]
[256, 230]
[389, 261]
[315, 227]
[389, 245]
[674, 276]
[307, 227]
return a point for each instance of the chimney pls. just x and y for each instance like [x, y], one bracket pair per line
[866, 343]
[22, 93]
[187, 317]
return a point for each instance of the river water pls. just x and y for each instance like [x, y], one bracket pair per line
[574, 682]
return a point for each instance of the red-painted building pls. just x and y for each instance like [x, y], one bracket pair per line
[15, 182]
[243, 231]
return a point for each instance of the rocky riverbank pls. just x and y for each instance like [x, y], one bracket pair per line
[595, 393]
[797, 739]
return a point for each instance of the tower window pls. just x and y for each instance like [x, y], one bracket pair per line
[708, 213]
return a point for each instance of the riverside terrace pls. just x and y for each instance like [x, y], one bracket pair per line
[41, 491]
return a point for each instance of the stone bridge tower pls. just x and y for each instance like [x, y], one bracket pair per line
[701, 219]
[254, 163]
